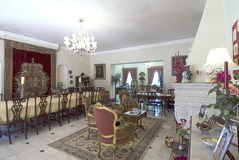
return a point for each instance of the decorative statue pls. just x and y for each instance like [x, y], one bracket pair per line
[186, 75]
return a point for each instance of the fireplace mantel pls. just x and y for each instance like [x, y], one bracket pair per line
[189, 97]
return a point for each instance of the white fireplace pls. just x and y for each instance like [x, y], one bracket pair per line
[189, 97]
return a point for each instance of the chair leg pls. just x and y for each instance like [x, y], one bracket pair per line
[9, 135]
[89, 130]
[25, 129]
[59, 118]
[99, 150]
[132, 143]
[49, 122]
[114, 153]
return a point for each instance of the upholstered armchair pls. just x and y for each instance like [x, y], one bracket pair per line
[91, 124]
[110, 134]
[129, 103]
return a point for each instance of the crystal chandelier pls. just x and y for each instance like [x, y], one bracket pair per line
[81, 43]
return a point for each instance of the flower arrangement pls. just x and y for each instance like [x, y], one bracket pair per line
[116, 78]
[211, 71]
[181, 128]
[225, 103]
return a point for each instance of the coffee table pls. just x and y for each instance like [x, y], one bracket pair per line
[135, 118]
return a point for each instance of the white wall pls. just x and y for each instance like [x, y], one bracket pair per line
[74, 63]
[164, 52]
[214, 31]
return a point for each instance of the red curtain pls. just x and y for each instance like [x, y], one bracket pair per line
[21, 56]
[151, 71]
[133, 72]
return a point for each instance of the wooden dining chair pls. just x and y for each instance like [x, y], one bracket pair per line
[151, 100]
[77, 108]
[42, 111]
[16, 113]
[171, 101]
[148, 88]
[141, 87]
[64, 101]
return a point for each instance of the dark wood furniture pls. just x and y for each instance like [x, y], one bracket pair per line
[159, 96]
[18, 108]
[42, 111]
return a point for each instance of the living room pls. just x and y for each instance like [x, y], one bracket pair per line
[214, 31]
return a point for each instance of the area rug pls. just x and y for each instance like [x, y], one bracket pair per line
[79, 146]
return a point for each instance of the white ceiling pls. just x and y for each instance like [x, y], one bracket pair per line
[115, 24]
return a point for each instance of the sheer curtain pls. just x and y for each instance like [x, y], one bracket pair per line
[129, 78]
[133, 72]
[155, 78]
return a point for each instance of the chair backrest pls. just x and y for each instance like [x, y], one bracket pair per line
[64, 101]
[43, 105]
[142, 87]
[154, 87]
[16, 110]
[105, 120]
[99, 89]
[104, 96]
[150, 97]
[171, 91]
[123, 92]
[148, 87]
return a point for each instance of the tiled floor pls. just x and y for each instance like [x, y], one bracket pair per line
[36, 146]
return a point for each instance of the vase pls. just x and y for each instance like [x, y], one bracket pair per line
[178, 77]
[186, 75]
[181, 147]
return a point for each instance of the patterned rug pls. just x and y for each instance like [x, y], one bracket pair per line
[79, 146]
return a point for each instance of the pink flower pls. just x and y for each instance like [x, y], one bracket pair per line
[220, 77]
[183, 121]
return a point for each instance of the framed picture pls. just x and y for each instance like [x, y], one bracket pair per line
[71, 81]
[184, 57]
[99, 71]
[201, 112]
[70, 71]
[223, 144]
[71, 76]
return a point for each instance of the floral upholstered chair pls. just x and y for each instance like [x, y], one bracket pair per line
[129, 103]
[91, 124]
[110, 134]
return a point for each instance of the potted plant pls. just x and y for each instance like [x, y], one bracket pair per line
[141, 78]
[226, 103]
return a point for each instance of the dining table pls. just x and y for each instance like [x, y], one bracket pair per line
[31, 106]
[142, 95]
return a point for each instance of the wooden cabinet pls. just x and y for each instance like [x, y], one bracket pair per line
[84, 80]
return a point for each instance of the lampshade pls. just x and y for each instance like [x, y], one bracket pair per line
[216, 58]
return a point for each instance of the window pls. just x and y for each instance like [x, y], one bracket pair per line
[125, 71]
[129, 78]
[155, 79]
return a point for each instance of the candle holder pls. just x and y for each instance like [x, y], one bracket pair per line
[22, 91]
[226, 92]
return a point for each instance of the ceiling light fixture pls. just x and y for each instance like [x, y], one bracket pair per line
[81, 43]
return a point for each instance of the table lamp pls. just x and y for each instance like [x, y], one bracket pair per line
[216, 58]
